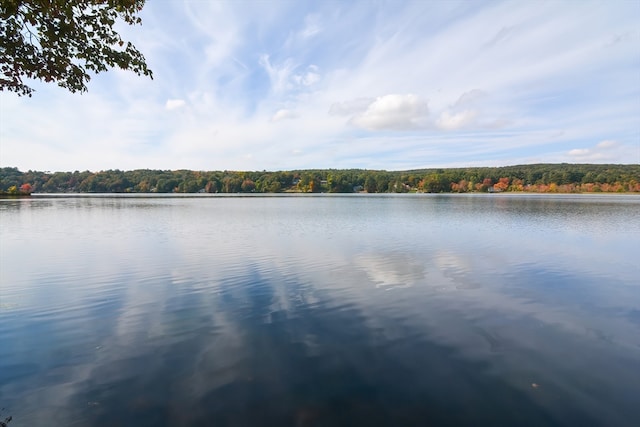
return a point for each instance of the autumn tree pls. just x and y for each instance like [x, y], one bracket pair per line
[516, 185]
[501, 185]
[211, 187]
[486, 184]
[460, 187]
[606, 178]
[62, 41]
[247, 186]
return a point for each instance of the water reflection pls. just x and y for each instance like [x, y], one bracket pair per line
[319, 311]
[322, 364]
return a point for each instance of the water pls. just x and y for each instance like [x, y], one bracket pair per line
[320, 311]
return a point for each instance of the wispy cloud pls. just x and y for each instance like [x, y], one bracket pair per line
[285, 85]
[312, 26]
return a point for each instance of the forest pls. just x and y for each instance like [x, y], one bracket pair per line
[538, 178]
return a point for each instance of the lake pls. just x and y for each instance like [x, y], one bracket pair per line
[320, 310]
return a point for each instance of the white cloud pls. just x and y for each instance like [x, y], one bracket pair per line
[283, 114]
[607, 150]
[174, 104]
[472, 97]
[579, 152]
[607, 144]
[347, 108]
[397, 112]
[455, 121]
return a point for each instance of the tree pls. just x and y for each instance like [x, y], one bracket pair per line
[211, 187]
[382, 182]
[436, 183]
[62, 41]
[501, 185]
[370, 183]
[247, 186]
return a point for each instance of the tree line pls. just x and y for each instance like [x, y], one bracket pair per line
[565, 178]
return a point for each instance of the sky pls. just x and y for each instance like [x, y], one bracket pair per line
[283, 85]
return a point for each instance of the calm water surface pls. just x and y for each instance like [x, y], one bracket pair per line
[412, 310]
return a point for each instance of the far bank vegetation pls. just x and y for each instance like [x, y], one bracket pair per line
[537, 178]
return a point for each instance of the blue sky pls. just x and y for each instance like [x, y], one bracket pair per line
[280, 85]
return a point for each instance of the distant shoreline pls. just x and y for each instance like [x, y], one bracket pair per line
[5, 195]
[535, 178]
[303, 195]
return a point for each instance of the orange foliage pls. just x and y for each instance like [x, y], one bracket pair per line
[501, 185]
[517, 185]
[460, 187]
